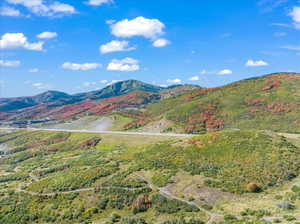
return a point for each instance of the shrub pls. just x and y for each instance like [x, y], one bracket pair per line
[253, 188]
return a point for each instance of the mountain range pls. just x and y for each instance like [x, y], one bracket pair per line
[268, 102]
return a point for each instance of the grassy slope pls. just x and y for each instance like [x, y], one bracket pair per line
[229, 159]
[244, 104]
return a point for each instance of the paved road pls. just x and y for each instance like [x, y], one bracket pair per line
[104, 132]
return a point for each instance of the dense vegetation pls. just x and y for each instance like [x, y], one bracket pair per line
[60, 177]
[270, 102]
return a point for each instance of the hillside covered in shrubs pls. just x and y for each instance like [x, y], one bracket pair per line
[59, 177]
[270, 102]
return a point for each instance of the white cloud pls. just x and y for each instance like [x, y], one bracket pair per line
[82, 67]
[9, 11]
[89, 84]
[115, 46]
[99, 2]
[174, 81]
[4, 63]
[58, 7]
[104, 81]
[280, 24]
[252, 63]
[295, 14]
[225, 72]
[47, 35]
[40, 85]
[160, 42]
[140, 26]
[34, 70]
[291, 47]
[110, 21]
[126, 64]
[194, 78]
[113, 82]
[18, 40]
[39, 7]
[204, 72]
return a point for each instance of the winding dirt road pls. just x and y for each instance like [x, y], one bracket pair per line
[166, 193]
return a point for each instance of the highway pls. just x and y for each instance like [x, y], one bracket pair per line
[104, 132]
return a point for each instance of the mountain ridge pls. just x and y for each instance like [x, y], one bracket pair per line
[59, 98]
[269, 102]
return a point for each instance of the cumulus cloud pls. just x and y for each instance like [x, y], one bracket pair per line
[99, 2]
[140, 26]
[47, 35]
[33, 70]
[4, 63]
[160, 42]
[295, 14]
[174, 81]
[126, 64]
[115, 46]
[40, 85]
[225, 72]
[19, 40]
[194, 78]
[40, 8]
[82, 67]
[252, 63]
[9, 11]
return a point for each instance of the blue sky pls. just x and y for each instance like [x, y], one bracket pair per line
[83, 45]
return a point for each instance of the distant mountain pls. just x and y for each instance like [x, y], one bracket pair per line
[56, 98]
[59, 105]
[8, 104]
[118, 89]
[270, 102]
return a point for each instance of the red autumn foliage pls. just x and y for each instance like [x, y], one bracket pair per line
[70, 110]
[4, 116]
[91, 142]
[206, 119]
[196, 142]
[271, 84]
[137, 123]
[285, 76]
[279, 107]
[52, 149]
[255, 102]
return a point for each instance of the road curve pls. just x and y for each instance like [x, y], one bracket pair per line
[104, 132]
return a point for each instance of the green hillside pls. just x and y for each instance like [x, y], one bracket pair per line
[59, 177]
[270, 102]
